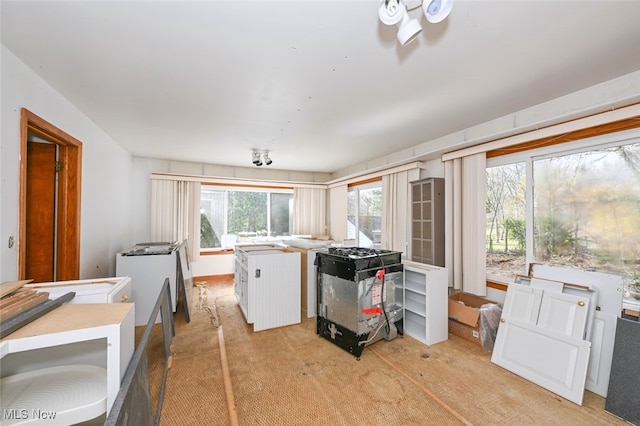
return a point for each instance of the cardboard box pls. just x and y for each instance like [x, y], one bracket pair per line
[464, 316]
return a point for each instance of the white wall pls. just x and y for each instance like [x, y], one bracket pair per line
[106, 172]
[219, 264]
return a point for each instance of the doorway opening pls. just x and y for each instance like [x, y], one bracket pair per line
[50, 175]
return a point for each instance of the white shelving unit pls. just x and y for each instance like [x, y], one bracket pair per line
[100, 334]
[425, 302]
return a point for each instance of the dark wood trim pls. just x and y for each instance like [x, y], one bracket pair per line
[216, 252]
[599, 130]
[365, 181]
[496, 285]
[69, 193]
[214, 279]
[242, 185]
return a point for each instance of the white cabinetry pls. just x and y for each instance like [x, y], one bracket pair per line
[427, 221]
[83, 333]
[267, 285]
[425, 302]
[97, 290]
[148, 272]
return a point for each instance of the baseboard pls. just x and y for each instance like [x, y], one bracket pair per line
[214, 279]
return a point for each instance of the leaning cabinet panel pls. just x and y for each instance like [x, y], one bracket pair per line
[425, 302]
[552, 360]
[606, 311]
[541, 338]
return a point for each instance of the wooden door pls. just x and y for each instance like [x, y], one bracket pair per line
[41, 212]
[65, 230]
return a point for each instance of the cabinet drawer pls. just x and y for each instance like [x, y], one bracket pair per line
[103, 290]
[122, 295]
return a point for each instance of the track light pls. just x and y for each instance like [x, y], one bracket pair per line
[437, 10]
[259, 156]
[255, 158]
[395, 12]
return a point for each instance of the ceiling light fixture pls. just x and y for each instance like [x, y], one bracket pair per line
[396, 12]
[259, 157]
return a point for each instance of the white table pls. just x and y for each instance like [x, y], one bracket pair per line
[70, 329]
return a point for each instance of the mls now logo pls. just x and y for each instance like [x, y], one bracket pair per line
[23, 414]
[15, 414]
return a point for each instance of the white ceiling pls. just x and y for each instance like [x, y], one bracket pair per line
[322, 84]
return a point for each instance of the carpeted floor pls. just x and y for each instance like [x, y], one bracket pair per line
[290, 376]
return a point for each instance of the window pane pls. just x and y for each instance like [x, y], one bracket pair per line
[247, 215]
[211, 217]
[237, 216]
[364, 215]
[281, 214]
[506, 220]
[370, 217]
[352, 211]
[587, 212]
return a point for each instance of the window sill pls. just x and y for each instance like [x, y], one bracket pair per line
[631, 304]
[215, 252]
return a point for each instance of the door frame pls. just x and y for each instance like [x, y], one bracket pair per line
[69, 191]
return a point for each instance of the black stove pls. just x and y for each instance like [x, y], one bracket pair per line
[347, 262]
[359, 296]
[354, 252]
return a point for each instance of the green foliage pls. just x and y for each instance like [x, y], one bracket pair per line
[554, 237]
[247, 212]
[516, 230]
[208, 238]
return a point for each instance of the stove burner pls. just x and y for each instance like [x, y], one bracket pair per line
[355, 252]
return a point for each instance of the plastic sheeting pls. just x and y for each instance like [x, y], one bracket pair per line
[489, 320]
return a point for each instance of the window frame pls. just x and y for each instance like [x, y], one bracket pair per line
[529, 156]
[244, 188]
[375, 183]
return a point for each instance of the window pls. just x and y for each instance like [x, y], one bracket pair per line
[364, 214]
[506, 220]
[236, 215]
[575, 205]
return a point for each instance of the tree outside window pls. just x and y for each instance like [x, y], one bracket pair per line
[240, 215]
[585, 211]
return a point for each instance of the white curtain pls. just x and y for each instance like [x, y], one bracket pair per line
[396, 200]
[309, 211]
[338, 212]
[175, 213]
[465, 207]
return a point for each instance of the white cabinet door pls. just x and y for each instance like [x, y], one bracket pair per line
[537, 339]
[552, 360]
[522, 303]
[602, 339]
[564, 313]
